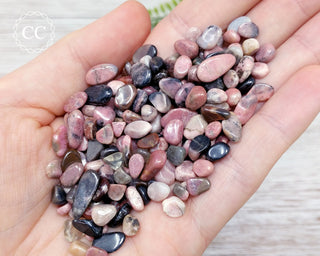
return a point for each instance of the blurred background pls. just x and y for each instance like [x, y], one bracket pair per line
[282, 218]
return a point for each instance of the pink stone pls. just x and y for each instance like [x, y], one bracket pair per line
[213, 130]
[196, 98]
[184, 171]
[260, 70]
[88, 110]
[130, 116]
[192, 74]
[193, 155]
[182, 114]
[72, 174]
[156, 124]
[166, 174]
[101, 73]
[89, 128]
[182, 93]
[75, 124]
[186, 145]
[53, 169]
[216, 95]
[158, 191]
[84, 144]
[244, 68]
[60, 141]
[105, 170]
[136, 164]
[173, 206]
[118, 128]
[105, 134]
[262, 91]
[104, 115]
[203, 168]
[94, 165]
[115, 85]
[246, 108]
[231, 79]
[134, 199]
[234, 96]
[173, 132]
[232, 128]
[170, 86]
[155, 164]
[64, 209]
[196, 126]
[94, 251]
[124, 144]
[266, 53]
[75, 101]
[231, 36]
[116, 191]
[187, 47]
[138, 129]
[182, 66]
[214, 67]
[148, 112]
[248, 30]
[197, 186]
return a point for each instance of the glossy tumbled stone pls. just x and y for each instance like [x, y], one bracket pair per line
[125, 96]
[130, 225]
[147, 49]
[200, 144]
[121, 177]
[196, 98]
[93, 150]
[210, 37]
[156, 162]
[98, 95]
[101, 214]
[173, 206]
[212, 113]
[87, 227]
[110, 242]
[70, 232]
[173, 132]
[84, 193]
[141, 75]
[143, 193]
[218, 151]
[148, 141]
[160, 101]
[134, 198]
[138, 129]
[60, 141]
[140, 100]
[170, 86]
[101, 73]
[95, 251]
[158, 191]
[176, 155]
[116, 191]
[58, 195]
[197, 186]
[232, 128]
[115, 160]
[75, 122]
[72, 174]
[122, 212]
[78, 248]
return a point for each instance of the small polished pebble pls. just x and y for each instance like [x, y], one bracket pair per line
[156, 64]
[58, 195]
[234, 25]
[87, 227]
[154, 165]
[234, 96]
[53, 169]
[231, 79]
[218, 83]
[262, 91]
[72, 174]
[149, 141]
[199, 144]
[102, 213]
[98, 95]
[124, 210]
[148, 113]
[105, 135]
[136, 164]
[138, 129]
[196, 98]
[196, 126]
[246, 108]
[121, 177]
[78, 248]
[266, 53]
[60, 141]
[236, 50]
[173, 132]
[115, 85]
[184, 171]
[89, 128]
[130, 225]
[216, 95]
[203, 168]
[116, 191]
[218, 151]
[170, 86]
[147, 49]
[209, 37]
[146, 60]
[197, 186]
[173, 206]
[187, 47]
[244, 68]
[140, 100]
[134, 199]
[110, 242]
[232, 128]
[125, 96]
[231, 36]
[104, 115]
[71, 234]
[213, 130]
[103, 187]
[182, 114]
[141, 75]
[76, 101]
[158, 191]
[180, 191]
[93, 150]
[250, 46]
[246, 85]
[260, 70]
[160, 101]
[156, 124]
[101, 73]
[166, 173]
[130, 116]
[95, 251]
[87, 186]
[212, 113]
[143, 191]
[248, 30]
[75, 122]
[214, 67]
[176, 155]
[182, 66]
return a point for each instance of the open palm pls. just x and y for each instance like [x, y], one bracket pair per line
[32, 99]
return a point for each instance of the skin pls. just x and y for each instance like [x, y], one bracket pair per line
[31, 105]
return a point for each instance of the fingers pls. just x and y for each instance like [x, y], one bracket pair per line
[301, 49]
[195, 14]
[52, 77]
[265, 138]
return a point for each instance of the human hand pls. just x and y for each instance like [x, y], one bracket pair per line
[33, 98]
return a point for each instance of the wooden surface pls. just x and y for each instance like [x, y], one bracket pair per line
[282, 218]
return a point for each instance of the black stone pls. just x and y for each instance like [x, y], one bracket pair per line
[109, 242]
[102, 189]
[246, 85]
[58, 195]
[147, 49]
[176, 154]
[122, 212]
[218, 151]
[200, 144]
[139, 101]
[141, 75]
[93, 151]
[72, 156]
[143, 193]
[156, 64]
[87, 227]
[85, 191]
[98, 95]
[108, 151]
[218, 83]
[157, 77]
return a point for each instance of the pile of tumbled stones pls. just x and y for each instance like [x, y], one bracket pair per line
[154, 131]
